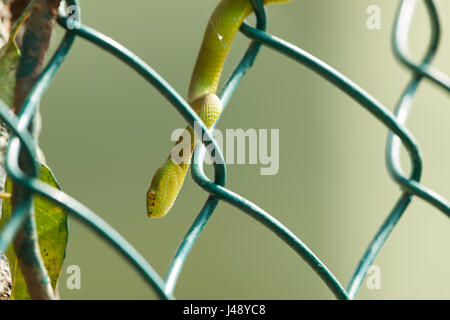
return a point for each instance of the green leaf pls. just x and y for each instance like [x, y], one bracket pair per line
[51, 221]
[9, 61]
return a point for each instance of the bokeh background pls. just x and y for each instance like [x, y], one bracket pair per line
[105, 131]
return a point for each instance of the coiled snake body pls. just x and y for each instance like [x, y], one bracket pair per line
[222, 27]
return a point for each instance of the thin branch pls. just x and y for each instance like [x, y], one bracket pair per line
[36, 40]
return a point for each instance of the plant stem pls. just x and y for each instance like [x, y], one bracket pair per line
[35, 44]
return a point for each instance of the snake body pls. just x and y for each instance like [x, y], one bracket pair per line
[220, 32]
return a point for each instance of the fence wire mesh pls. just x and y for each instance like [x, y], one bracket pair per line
[395, 122]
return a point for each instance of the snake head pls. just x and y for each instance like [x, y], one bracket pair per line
[164, 188]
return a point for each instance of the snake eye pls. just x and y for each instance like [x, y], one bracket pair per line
[151, 194]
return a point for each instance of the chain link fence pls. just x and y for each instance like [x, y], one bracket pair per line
[421, 70]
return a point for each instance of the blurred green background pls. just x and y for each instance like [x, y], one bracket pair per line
[105, 131]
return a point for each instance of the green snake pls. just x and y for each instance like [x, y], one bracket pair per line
[222, 27]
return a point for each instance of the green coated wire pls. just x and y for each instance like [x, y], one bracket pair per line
[267, 220]
[401, 50]
[375, 245]
[373, 106]
[401, 205]
[394, 122]
[400, 45]
[399, 40]
[346, 85]
[18, 217]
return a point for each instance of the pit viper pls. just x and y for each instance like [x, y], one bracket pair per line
[223, 25]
